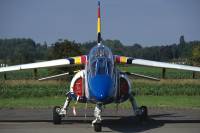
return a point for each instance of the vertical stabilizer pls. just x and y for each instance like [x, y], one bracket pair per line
[99, 24]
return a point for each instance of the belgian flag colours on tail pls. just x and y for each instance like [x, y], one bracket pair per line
[99, 24]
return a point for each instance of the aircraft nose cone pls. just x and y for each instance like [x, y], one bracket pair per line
[100, 87]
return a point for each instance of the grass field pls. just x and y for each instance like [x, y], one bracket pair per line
[157, 72]
[36, 94]
[150, 101]
[178, 90]
[32, 88]
[167, 87]
[24, 74]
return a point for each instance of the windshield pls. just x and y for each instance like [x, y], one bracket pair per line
[101, 61]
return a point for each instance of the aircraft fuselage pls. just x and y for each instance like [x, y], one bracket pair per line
[101, 81]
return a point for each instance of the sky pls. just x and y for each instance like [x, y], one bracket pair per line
[147, 22]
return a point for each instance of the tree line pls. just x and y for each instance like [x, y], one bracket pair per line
[19, 51]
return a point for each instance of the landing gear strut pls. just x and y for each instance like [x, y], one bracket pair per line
[97, 122]
[58, 112]
[140, 112]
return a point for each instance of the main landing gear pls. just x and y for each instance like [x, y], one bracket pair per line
[143, 113]
[140, 112]
[58, 112]
[56, 117]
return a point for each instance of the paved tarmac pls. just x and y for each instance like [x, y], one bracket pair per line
[161, 120]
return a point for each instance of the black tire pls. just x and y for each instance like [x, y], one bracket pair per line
[144, 114]
[56, 116]
[97, 127]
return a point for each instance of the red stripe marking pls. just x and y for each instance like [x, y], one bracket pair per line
[118, 59]
[83, 59]
[99, 15]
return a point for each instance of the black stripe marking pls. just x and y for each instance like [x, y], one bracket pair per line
[99, 38]
[129, 60]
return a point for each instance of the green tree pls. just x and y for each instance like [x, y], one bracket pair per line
[17, 51]
[64, 49]
[196, 55]
[182, 40]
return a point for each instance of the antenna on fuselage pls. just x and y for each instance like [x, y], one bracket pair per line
[99, 24]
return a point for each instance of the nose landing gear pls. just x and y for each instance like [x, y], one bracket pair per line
[97, 122]
[97, 127]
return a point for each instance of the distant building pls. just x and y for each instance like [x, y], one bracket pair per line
[3, 65]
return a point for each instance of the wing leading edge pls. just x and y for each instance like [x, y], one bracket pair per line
[142, 62]
[79, 60]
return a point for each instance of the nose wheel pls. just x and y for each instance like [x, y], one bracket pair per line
[97, 127]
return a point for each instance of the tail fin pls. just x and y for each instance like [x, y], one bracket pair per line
[99, 24]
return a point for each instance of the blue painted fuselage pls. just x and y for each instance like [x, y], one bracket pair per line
[100, 75]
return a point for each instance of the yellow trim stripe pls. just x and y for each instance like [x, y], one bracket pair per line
[98, 25]
[123, 59]
[77, 60]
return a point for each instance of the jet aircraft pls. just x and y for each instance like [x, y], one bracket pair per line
[100, 82]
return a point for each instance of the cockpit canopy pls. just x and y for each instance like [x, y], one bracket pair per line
[101, 61]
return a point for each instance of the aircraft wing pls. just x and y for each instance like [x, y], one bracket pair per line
[53, 63]
[142, 62]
